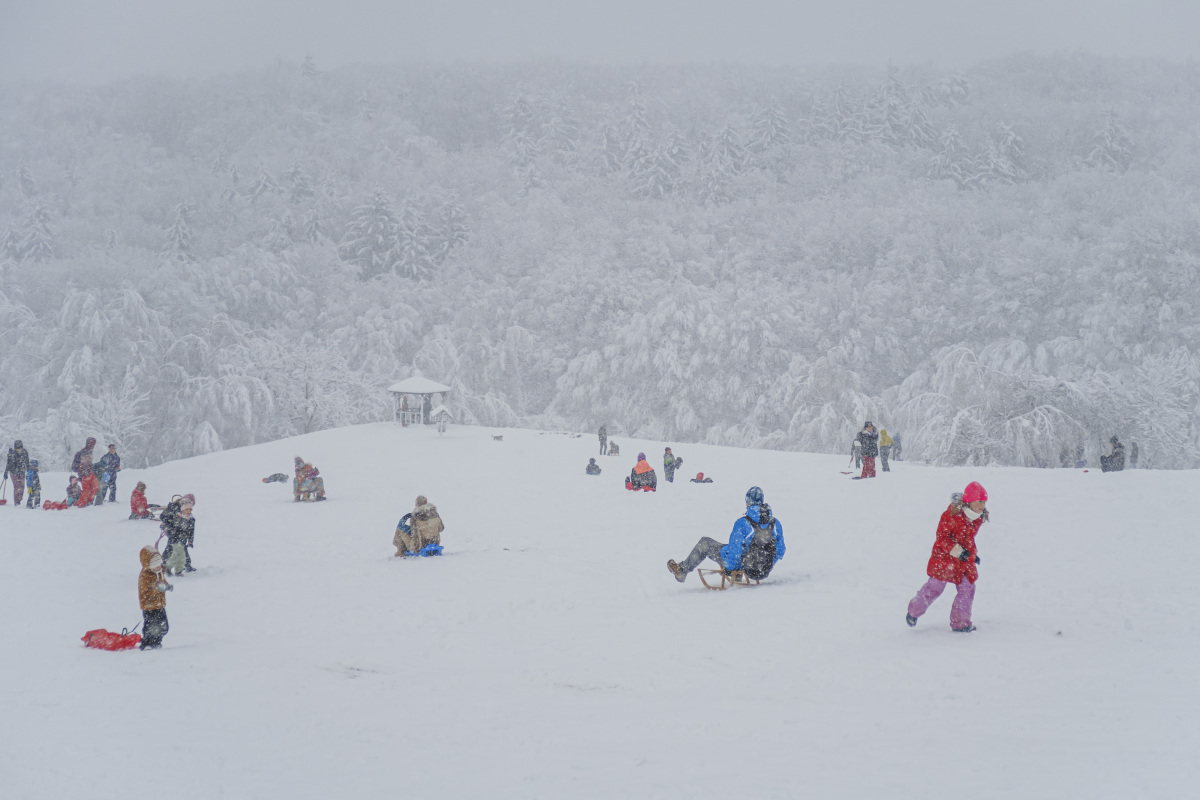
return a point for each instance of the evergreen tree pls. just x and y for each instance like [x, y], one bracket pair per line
[25, 183]
[369, 241]
[179, 245]
[300, 187]
[308, 69]
[1111, 146]
[37, 244]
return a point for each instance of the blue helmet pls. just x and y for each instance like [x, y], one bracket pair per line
[754, 496]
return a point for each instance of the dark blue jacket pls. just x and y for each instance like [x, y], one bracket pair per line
[107, 466]
[739, 540]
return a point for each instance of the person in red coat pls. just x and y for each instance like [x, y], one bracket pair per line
[954, 558]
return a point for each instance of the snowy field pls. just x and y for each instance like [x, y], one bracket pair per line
[551, 654]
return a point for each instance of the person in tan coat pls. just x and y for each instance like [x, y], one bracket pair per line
[152, 597]
[426, 528]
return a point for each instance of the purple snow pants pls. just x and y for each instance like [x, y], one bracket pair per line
[960, 612]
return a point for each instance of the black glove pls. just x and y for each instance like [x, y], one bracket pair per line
[964, 556]
[976, 559]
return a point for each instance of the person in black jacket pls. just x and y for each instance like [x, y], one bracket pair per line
[180, 528]
[592, 468]
[15, 467]
[1115, 461]
[868, 440]
[107, 468]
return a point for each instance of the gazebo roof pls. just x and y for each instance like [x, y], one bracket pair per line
[418, 385]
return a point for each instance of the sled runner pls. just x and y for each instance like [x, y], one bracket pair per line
[735, 578]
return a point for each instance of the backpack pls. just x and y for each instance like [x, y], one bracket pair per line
[759, 557]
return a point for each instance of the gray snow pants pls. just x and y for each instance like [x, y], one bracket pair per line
[705, 548]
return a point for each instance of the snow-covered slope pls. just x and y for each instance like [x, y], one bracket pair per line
[551, 654]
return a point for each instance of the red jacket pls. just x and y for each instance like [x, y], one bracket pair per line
[138, 504]
[954, 529]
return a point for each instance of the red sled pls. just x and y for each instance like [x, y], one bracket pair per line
[102, 639]
[54, 505]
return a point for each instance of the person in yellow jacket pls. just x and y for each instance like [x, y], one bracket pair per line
[885, 448]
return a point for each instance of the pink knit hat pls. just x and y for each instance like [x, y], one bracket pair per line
[974, 492]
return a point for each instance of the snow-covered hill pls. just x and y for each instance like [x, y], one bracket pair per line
[551, 654]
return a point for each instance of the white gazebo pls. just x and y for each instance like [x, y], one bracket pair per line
[423, 389]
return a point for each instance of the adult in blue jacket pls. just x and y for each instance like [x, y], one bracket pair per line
[755, 545]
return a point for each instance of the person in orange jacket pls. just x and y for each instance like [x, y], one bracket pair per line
[642, 477]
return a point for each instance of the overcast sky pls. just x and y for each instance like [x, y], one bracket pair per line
[102, 40]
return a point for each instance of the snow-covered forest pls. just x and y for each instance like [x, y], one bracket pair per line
[1001, 264]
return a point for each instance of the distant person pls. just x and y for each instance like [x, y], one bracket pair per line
[642, 477]
[954, 559]
[15, 468]
[868, 441]
[139, 507]
[755, 544]
[701, 479]
[856, 453]
[33, 485]
[74, 491]
[1114, 461]
[82, 466]
[308, 481]
[277, 477]
[603, 440]
[107, 468]
[613, 449]
[670, 464]
[592, 467]
[1064, 458]
[897, 449]
[152, 597]
[1080, 461]
[1133, 455]
[885, 449]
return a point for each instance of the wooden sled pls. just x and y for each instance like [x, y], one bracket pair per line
[726, 578]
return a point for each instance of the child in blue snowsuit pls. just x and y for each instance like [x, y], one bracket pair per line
[755, 544]
[33, 485]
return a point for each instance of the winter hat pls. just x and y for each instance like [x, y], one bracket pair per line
[187, 500]
[667, 450]
[299, 460]
[974, 492]
[141, 487]
[868, 424]
[1114, 439]
[591, 461]
[91, 442]
[17, 443]
[699, 476]
[33, 463]
[754, 496]
[422, 500]
[641, 456]
[155, 563]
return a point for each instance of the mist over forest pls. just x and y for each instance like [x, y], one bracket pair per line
[1001, 264]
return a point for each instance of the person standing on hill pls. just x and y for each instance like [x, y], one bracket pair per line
[33, 484]
[642, 477]
[954, 559]
[15, 468]
[868, 440]
[670, 464]
[603, 440]
[755, 545]
[109, 465]
[885, 449]
[1133, 455]
[180, 527]
[1114, 461]
[152, 597]
[82, 466]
